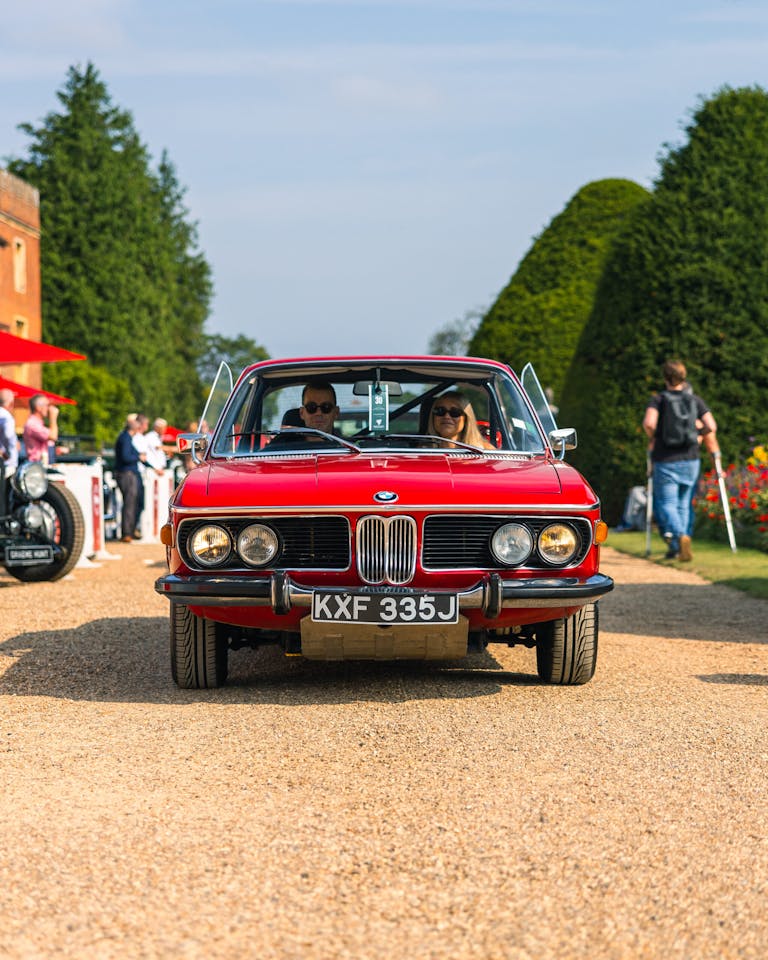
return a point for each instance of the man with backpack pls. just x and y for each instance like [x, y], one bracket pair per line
[670, 424]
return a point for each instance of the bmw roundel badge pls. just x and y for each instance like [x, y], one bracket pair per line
[385, 496]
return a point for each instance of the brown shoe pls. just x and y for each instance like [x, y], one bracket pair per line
[685, 547]
[126, 539]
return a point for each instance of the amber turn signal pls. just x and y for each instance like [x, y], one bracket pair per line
[166, 534]
[601, 531]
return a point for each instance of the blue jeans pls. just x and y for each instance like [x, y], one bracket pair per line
[673, 485]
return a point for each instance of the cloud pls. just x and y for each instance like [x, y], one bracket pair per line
[51, 23]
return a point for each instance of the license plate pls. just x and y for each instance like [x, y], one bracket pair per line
[385, 608]
[28, 556]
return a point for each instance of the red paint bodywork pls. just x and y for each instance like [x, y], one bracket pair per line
[345, 482]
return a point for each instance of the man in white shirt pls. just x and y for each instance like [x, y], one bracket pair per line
[139, 441]
[156, 457]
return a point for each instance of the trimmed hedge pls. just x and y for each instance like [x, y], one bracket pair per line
[540, 314]
[688, 279]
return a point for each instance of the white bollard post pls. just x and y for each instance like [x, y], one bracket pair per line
[78, 478]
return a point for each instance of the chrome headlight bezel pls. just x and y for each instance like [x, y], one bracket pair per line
[30, 481]
[253, 535]
[512, 543]
[558, 543]
[222, 544]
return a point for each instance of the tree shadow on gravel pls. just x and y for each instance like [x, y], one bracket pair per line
[127, 660]
[742, 679]
[684, 611]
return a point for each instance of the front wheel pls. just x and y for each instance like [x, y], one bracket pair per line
[64, 526]
[566, 650]
[199, 650]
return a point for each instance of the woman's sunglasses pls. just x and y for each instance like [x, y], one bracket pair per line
[326, 406]
[453, 412]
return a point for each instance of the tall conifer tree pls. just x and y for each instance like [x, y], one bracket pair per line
[122, 280]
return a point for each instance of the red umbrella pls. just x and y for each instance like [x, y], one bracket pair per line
[18, 350]
[22, 390]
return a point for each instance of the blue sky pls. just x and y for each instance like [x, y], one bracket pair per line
[363, 173]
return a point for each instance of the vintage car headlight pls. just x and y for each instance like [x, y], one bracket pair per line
[257, 544]
[210, 545]
[31, 481]
[512, 543]
[558, 543]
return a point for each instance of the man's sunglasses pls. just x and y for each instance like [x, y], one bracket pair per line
[453, 412]
[326, 406]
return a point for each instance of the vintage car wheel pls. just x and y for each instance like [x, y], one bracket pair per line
[199, 651]
[566, 650]
[68, 534]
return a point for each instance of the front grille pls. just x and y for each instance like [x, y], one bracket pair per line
[319, 543]
[464, 542]
[386, 549]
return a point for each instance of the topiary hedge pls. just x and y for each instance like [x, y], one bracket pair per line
[539, 315]
[687, 279]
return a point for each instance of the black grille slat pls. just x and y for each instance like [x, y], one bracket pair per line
[306, 542]
[460, 541]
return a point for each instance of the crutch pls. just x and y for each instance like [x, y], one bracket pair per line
[724, 498]
[648, 504]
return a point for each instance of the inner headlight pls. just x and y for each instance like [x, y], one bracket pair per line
[35, 517]
[31, 481]
[257, 544]
[558, 543]
[210, 545]
[512, 543]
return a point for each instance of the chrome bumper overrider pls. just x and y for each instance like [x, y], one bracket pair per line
[489, 595]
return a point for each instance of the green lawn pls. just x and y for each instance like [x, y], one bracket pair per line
[745, 570]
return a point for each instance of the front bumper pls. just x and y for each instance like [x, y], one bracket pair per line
[490, 595]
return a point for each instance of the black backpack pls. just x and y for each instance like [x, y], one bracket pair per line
[678, 419]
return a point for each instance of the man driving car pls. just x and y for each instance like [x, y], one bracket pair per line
[318, 406]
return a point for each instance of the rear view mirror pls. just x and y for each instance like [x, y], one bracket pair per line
[361, 387]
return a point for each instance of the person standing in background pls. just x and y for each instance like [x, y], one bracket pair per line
[36, 434]
[156, 456]
[670, 425]
[127, 459]
[142, 447]
[9, 443]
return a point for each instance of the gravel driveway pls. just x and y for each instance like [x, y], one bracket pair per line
[390, 811]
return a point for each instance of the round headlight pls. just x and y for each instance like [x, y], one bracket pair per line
[31, 481]
[257, 544]
[210, 545]
[558, 543]
[512, 543]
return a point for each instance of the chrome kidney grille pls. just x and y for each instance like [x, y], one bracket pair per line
[386, 549]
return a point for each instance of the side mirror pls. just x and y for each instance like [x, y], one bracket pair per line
[562, 440]
[193, 443]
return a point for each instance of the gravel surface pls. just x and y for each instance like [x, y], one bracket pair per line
[356, 810]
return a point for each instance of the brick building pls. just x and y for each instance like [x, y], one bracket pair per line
[20, 310]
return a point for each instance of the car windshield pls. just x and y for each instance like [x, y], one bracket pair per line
[311, 408]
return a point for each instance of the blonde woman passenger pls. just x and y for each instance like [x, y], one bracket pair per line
[453, 419]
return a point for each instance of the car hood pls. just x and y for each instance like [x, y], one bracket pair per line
[351, 481]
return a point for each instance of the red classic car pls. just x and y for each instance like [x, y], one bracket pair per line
[446, 520]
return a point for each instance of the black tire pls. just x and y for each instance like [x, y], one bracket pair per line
[199, 650]
[69, 536]
[566, 650]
